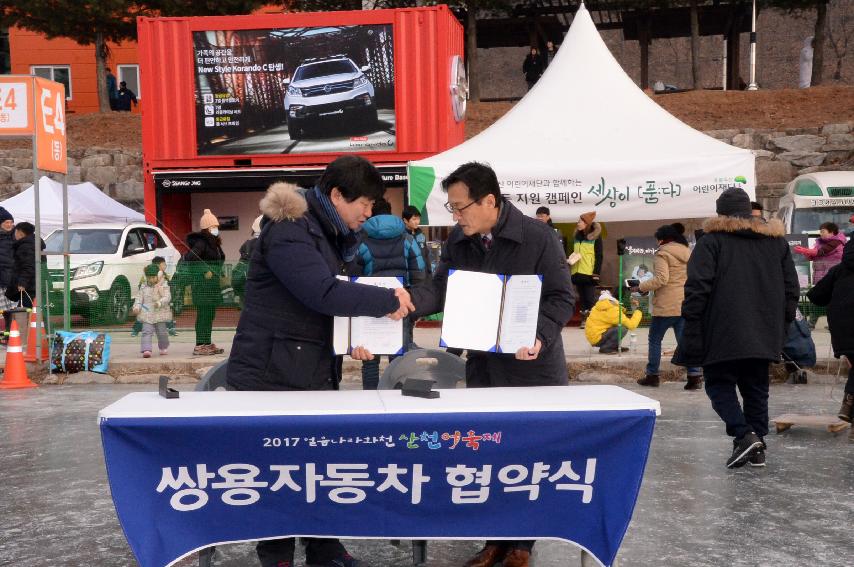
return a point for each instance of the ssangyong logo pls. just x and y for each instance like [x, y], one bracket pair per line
[166, 183]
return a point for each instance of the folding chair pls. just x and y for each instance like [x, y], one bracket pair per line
[446, 369]
[214, 379]
[430, 364]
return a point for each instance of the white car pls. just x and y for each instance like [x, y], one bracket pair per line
[107, 262]
[326, 88]
[815, 198]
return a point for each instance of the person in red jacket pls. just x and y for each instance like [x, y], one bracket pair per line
[826, 252]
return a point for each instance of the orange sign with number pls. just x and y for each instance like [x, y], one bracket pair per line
[16, 108]
[50, 126]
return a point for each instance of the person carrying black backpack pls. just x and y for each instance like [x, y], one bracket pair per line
[388, 250]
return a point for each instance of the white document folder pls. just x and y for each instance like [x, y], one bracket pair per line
[379, 335]
[490, 312]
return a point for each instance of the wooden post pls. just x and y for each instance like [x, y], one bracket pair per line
[733, 72]
[695, 46]
[643, 39]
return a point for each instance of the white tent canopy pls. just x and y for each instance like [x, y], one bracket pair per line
[587, 138]
[86, 204]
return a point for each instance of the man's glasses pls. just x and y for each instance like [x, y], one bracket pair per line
[452, 209]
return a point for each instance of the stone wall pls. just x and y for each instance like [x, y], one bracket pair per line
[780, 37]
[781, 155]
[118, 173]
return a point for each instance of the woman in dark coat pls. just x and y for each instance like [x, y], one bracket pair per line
[204, 262]
[533, 67]
[22, 283]
[7, 262]
[836, 292]
[238, 275]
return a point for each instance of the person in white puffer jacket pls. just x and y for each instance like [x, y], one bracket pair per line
[152, 310]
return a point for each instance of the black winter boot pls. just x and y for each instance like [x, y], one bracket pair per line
[649, 380]
[846, 412]
[694, 383]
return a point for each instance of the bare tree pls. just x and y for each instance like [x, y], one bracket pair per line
[695, 45]
[840, 32]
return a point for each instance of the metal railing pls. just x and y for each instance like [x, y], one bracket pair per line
[104, 301]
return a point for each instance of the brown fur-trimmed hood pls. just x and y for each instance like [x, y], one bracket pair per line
[283, 201]
[773, 228]
[595, 232]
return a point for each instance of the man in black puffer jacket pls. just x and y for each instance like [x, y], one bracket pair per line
[284, 337]
[741, 295]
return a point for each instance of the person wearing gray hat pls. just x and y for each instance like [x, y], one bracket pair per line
[7, 263]
[740, 296]
[734, 202]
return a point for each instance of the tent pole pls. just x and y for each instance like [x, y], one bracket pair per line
[620, 309]
[66, 260]
[38, 234]
[753, 86]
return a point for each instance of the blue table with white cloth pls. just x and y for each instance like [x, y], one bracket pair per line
[561, 462]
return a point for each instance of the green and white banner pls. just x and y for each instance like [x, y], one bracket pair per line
[624, 194]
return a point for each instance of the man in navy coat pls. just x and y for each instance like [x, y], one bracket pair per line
[284, 337]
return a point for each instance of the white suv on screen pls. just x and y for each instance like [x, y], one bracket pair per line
[107, 262]
[328, 87]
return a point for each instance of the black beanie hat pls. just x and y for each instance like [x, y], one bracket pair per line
[5, 215]
[733, 202]
[667, 232]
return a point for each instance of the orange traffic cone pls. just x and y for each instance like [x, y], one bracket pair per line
[15, 374]
[30, 355]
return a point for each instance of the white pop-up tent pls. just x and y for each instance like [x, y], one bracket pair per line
[587, 138]
[86, 204]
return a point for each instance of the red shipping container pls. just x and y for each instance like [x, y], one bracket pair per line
[236, 102]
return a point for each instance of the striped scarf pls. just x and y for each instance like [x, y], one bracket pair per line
[348, 240]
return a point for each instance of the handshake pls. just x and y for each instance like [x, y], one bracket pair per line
[406, 305]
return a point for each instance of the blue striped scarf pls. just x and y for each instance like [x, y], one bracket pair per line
[348, 240]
